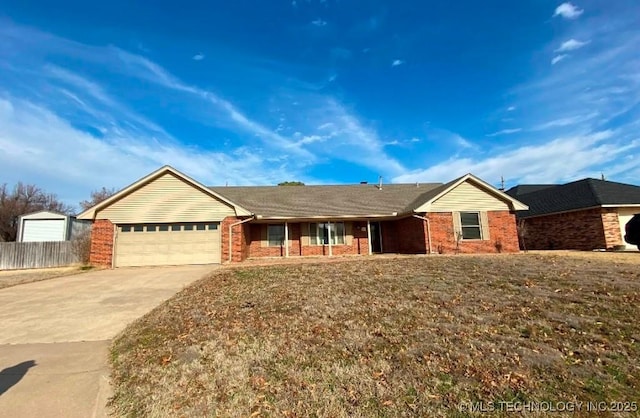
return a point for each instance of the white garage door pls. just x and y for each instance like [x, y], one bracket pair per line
[624, 216]
[167, 244]
[43, 230]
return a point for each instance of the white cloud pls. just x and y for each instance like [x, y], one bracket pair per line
[198, 57]
[71, 162]
[414, 139]
[566, 121]
[395, 63]
[558, 58]
[319, 22]
[506, 132]
[511, 108]
[571, 45]
[568, 11]
[562, 159]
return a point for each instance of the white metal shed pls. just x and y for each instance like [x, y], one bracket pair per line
[43, 226]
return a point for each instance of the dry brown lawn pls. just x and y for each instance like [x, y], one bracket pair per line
[413, 336]
[10, 278]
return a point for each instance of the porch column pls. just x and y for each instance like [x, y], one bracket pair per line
[329, 235]
[369, 236]
[286, 240]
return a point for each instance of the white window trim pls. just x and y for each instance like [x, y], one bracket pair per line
[332, 234]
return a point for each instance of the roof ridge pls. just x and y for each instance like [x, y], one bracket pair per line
[592, 189]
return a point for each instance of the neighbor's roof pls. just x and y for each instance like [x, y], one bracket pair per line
[358, 200]
[521, 189]
[581, 194]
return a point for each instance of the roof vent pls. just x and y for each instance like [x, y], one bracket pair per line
[379, 182]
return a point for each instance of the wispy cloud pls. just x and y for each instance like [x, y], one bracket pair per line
[395, 63]
[511, 108]
[198, 57]
[94, 115]
[571, 45]
[505, 132]
[568, 11]
[561, 159]
[558, 58]
[319, 22]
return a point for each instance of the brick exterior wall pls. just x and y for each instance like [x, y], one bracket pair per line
[359, 243]
[503, 236]
[101, 254]
[580, 230]
[241, 239]
[405, 236]
[611, 226]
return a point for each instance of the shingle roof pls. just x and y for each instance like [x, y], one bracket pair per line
[521, 189]
[358, 200]
[581, 194]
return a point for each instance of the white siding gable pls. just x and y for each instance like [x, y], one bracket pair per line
[466, 197]
[166, 199]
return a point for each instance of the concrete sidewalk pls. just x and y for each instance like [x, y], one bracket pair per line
[55, 380]
[55, 336]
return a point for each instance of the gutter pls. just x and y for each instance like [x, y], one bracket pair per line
[323, 217]
[231, 235]
[428, 230]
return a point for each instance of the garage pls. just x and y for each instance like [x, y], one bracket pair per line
[167, 244]
[624, 216]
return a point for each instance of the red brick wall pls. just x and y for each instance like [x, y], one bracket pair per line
[359, 243]
[241, 238]
[102, 243]
[503, 236]
[580, 230]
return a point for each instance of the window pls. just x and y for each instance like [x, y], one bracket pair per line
[201, 227]
[125, 228]
[175, 227]
[138, 228]
[188, 227]
[470, 223]
[163, 228]
[319, 233]
[151, 228]
[213, 227]
[275, 235]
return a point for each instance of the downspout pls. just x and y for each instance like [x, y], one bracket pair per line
[231, 235]
[428, 230]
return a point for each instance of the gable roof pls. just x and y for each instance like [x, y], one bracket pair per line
[430, 198]
[91, 212]
[580, 194]
[353, 201]
[44, 214]
[359, 200]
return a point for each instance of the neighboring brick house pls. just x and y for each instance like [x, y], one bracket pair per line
[169, 218]
[586, 214]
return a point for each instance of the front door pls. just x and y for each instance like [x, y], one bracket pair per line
[376, 237]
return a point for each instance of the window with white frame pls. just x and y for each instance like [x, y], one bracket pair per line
[470, 223]
[275, 235]
[319, 233]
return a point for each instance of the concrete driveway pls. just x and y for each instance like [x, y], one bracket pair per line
[55, 335]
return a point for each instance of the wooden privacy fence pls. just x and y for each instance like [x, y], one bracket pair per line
[26, 255]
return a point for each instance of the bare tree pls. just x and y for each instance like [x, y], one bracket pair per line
[23, 199]
[97, 196]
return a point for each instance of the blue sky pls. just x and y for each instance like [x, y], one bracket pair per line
[99, 94]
